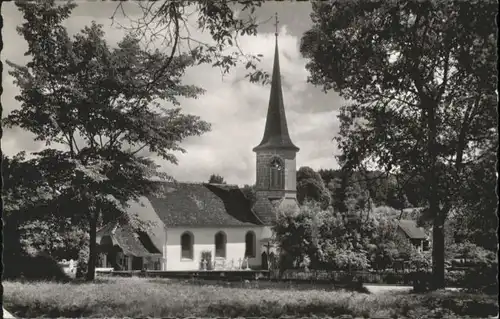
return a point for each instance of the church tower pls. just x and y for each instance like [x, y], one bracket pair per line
[276, 154]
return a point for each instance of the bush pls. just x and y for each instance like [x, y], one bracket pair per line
[462, 304]
[206, 255]
[422, 281]
[391, 277]
[39, 267]
[455, 278]
[82, 263]
[482, 278]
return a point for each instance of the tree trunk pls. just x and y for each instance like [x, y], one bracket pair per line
[433, 199]
[438, 252]
[90, 276]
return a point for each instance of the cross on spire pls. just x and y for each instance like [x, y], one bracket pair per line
[276, 23]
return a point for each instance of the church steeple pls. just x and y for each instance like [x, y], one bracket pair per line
[276, 132]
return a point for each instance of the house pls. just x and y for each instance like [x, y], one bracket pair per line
[190, 219]
[121, 247]
[416, 235]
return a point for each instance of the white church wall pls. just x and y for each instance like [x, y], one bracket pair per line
[204, 240]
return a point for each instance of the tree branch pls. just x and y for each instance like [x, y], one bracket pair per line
[139, 149]
[173, 9]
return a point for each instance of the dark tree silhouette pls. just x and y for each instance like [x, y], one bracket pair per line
[80, 89]
[422, 78]
[216, 179]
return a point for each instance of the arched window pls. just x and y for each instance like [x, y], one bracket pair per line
[220, 245]
[250, 244]
[277, 173]
[187, 241]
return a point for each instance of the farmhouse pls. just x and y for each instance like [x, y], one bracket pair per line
[213, 220]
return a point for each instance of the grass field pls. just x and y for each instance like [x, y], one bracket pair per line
[139, 297]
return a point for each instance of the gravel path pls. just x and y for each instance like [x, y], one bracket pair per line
[377, 289]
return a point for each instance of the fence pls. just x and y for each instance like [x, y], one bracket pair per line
[345, 276]
[452, 278]
[225, 275]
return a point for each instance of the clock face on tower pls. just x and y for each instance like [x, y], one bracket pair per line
[277, 164]
[277, 174]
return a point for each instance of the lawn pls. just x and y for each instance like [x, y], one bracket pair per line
[140, 297]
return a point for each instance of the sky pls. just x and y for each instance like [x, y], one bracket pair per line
[235, 107]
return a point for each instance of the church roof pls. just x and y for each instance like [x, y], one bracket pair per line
[190, 204]
[276, 134]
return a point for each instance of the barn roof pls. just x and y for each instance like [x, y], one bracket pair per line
[411, 230]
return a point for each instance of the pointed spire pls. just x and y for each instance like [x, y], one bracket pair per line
[276, 132]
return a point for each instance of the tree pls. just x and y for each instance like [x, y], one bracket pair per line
[216, 179]
[297, 237]
[25, 195]
[23, 189]
[250, 193]
[336, 181]
[310, 186]
[79, 89]
[422, 79]
[55, 236]
[168, 22]
[396, 197]
[476, 215]
[29, 227]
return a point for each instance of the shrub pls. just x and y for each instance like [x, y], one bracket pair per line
[455, 278]
[56, 237]
[421, 281]
[391, 278]
[206, 255]
[34, 267]
[462, 304]
[482, 278]
[82, 263]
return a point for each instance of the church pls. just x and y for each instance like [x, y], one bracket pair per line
[200, 226]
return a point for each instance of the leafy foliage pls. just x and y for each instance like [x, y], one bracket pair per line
[297, 237]
[476, 215]
[83, 262]
[36, 267]
[250, 194]
[207, 257]
[57, 238]
[365, 189]
[422, 78]
[324, 239]
[216, 179]
[102, 105]
[169, 22]
[310, 186]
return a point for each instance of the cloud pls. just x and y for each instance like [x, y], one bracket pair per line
[235, 107]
